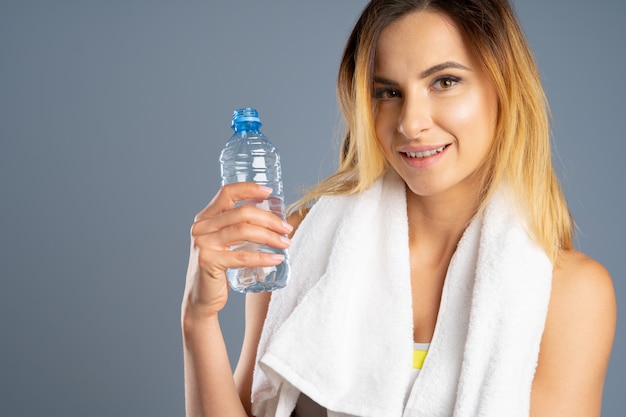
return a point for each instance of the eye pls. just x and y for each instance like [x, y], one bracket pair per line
[386, 93]
[445, 83]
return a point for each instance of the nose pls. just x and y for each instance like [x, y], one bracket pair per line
[415, 117]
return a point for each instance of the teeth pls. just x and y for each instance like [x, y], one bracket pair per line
[425, 154]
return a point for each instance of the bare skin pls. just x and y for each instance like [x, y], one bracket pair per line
[430, 94]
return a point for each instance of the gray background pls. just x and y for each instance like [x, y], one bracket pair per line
[112, 115]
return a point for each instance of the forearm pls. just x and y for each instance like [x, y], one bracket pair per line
[209, 385]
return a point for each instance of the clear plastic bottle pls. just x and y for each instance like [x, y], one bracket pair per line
[250, 157]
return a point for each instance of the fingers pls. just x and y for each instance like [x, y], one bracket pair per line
[216, 262]
[238, 217]
[234, 234]
[221, 225]
[229, 194]
[221, 215]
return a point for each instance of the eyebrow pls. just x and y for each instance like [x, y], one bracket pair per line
[440, 67]
[426, 73]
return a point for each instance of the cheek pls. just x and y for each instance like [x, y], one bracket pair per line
[383, 128]
[473, 118]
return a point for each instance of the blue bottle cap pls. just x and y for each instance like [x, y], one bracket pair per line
[245, 115]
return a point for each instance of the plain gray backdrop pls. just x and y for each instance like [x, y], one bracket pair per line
[112, 115]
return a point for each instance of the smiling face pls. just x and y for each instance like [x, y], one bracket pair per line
[435, 108]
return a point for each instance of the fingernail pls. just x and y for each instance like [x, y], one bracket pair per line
[287, 226]
[278, 257]
[285, 240]
[267, 190]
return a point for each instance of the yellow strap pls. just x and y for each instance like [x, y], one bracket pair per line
[418, 358]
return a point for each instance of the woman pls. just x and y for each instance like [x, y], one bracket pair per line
[443, 98]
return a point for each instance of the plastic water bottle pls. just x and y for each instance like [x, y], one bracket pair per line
[249, 156]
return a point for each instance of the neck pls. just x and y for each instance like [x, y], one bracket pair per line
[437, 223]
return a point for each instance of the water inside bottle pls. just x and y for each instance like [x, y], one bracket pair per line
[258, 279]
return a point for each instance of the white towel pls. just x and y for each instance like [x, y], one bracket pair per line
[342, 330]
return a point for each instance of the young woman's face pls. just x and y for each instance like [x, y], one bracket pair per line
[435, 108]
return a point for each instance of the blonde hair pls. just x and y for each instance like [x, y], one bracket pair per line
[520, 154]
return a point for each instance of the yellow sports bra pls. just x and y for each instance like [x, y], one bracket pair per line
[420, 350]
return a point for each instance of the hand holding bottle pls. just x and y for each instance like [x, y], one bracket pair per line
[220, 226]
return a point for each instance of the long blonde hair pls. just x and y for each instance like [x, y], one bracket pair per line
[520, 154]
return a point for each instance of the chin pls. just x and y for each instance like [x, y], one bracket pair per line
[424, 190]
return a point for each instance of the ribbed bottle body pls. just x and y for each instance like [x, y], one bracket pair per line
[249, 156]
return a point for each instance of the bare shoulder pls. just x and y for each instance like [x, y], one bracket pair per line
[577, 340]
[578, 266]
[582, 305]
[579, 281]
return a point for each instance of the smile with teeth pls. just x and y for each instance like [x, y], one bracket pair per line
[425, 154]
